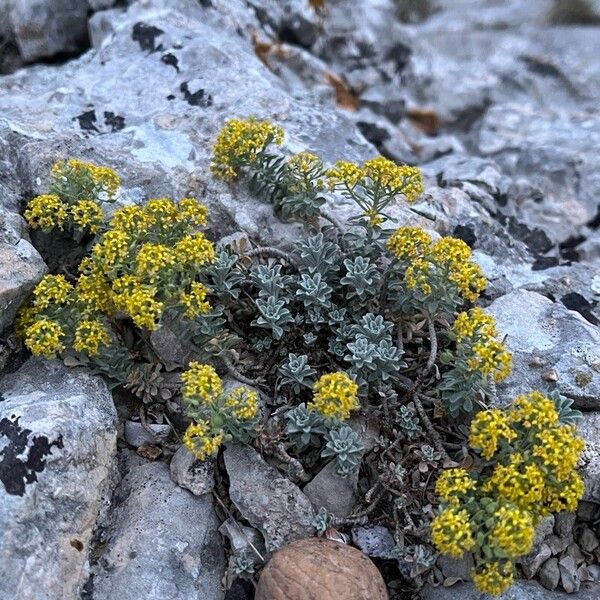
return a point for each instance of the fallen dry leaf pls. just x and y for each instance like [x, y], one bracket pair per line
[343, 96]
[425, 119]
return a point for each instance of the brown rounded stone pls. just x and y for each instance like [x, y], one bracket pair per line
[320, 569]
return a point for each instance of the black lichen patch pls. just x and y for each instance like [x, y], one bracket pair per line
[466, 234]
[170, 97]
[17, 469]
[87, 120]
[171, 60]
[199, 98]
[145, 36]
[544, 262]
[115, 122]
[575, 301]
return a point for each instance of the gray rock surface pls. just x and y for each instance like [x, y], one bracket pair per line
[43, 28]
[337, 494]
[57, 463]
[266, 499]
[197, 476]
[566, 348]
[589, 429]
[161, 541]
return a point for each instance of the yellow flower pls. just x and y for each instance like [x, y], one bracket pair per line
[393, 178]
[304, 162]
[454, 483]
[194, 250]
[201, 381]
[488, 428]
[86, 214]
[103, 177]
[513, 531]
[334, 395]
[243, 401]
[143, 308]
[152, 259]
[94, 293]
[112, 251]
[519, 483]
[122, 288]
[52, 289]
[344, 173]
[417, 275]
[451, 532]
[468, 278]
[534, 410]
[192, 211]
[200, 441]
[44, 337]
[45, 212]
[131, 220]
[89, 336]
[239, 143]
[490, 357]
[493, 578]
[449, 250]
[195, 302]
[472, 323]
[25, 319]
[559, 449]
[161, 211]
[566, 495]
[407, 243]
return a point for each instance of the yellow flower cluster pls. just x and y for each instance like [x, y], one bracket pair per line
[243, 402]
[192, 211]
[408, 243]
[513, 531]
[47, 211]
[344, 173]
[44, 338]
[451, 532]
[143, 308]
[152, 260]
[518, 482]
[200, 441]
[435, 265]
[534, 410]
[454, 484]
[103, 177]
[303, 162]
[194, 301]
[476, 337]
[334, 395]
[87, 214]
[239, 143]
[52, 289]
[194, 251]
[380, 173]
[218, 415]
[89, 336]
[493, 578]
[201, 382]
[558, 449]
[488, 429]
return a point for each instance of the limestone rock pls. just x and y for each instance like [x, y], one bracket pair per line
[197, 476]
[320, 568]
[561, 340]
[57, 463]
[266, 499]
[161, 542]
[337, 494]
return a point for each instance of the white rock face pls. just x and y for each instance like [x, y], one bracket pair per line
[161, 542]
[57, 461]
[553, 348]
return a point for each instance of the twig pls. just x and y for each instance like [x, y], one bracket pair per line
[435, 438]
[271, 252]
[145, 425]
[280, 452]
[236, 374]
[434, 343]
[400, 339]
[242, 532]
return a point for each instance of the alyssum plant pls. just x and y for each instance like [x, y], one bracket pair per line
[354, 323]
